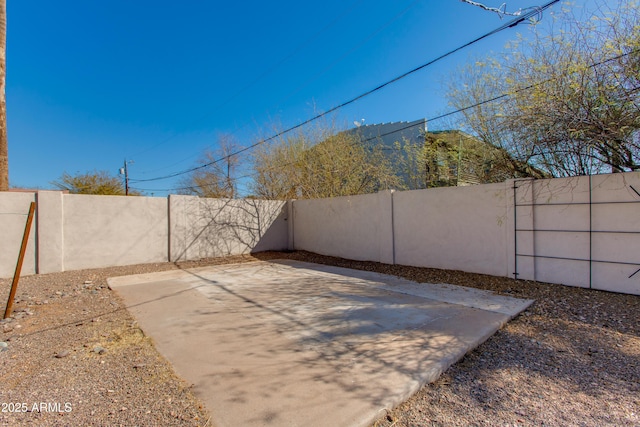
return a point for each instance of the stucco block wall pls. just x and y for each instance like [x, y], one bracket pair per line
[14, 208]
[578, 231]
[102, 231]
[202, 228]
[50, 214]
[72, 232]
[458, 228]
[582, 231]
[355, 227]
[592, 221]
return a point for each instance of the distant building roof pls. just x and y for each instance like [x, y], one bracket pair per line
[388, 133]
[453, 157]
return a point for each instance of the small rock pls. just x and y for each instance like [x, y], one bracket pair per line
[88, 282]
[45, 302]
[58, 293]
[61, 354]
[139, 366]
[99, 350]
[7, 328]
[3, 346]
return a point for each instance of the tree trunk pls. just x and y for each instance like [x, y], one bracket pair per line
[4, 146]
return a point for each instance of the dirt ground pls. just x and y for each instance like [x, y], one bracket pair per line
[73, 355]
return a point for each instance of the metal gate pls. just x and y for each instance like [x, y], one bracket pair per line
[590, 234]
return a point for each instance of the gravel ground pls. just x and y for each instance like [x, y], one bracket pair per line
[75, 357]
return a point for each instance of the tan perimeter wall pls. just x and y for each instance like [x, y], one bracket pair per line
[203, 228]
[582, 231]
[14, 208]
[455, 228]
[357, 227]
[72, 232]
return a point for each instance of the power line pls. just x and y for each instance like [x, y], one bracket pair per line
[316, 76]
[264, 74]
[501, 11]
[249, 175]
[441, 116]
[525, 16]
[352, 50]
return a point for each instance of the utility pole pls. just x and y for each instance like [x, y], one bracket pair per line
[4, 150]
[125, 171]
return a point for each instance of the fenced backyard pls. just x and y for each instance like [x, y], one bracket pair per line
[570, 359]
[582, 231]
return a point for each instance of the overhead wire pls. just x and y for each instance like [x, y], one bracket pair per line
[522, 18]
[412, 125]
[502, 10]
[323, 71]
[264, 74]
[353, 49]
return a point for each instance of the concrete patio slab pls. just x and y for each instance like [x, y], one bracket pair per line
[287, 343]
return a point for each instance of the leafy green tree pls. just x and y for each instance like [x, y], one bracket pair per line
[96, 182]
[317, 164]
[450, 158]
[573, 104]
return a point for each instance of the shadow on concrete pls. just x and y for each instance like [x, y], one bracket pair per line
[272, 344]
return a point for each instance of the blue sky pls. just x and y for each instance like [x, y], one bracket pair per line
[90, 83]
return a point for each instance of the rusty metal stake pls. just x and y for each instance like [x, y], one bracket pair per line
[23, 249]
